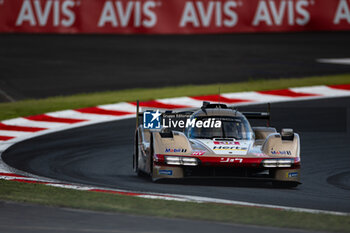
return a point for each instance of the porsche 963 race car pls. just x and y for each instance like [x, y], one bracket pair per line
[214, 141]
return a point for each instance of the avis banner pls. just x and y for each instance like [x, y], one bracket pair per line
[172, 16]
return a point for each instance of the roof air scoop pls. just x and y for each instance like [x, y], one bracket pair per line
[207, 105]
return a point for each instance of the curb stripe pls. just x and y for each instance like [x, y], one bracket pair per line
[219, 98]
[157, 104]
[20, 128]
[30, 181]
[10, 133]
[100, 111]
[185, 101]
[5, 138]
[126, 107]
[47, 118]
[114, 192]
[23, 121]
[344, 86]
[256, 97]
[288, 93]
[322, 91]
[79, 115]
[11, 175]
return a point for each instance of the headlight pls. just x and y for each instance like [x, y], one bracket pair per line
[186, 161]
[278, 162]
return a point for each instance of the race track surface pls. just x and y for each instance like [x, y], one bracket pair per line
[37, 66]
[29, 218]
[102, 155]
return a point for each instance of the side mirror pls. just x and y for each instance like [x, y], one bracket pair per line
[287, 134]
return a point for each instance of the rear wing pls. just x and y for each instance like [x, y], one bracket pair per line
[260, 115]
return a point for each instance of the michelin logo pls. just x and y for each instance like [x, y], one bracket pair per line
[151, 119]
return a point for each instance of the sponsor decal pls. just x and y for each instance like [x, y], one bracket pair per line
[165, 172]
[226, 143]
[194, 122]
[200, 152]
[156, 120]
[168, 150]
[151, 119]
[281, 152]
[231, 160]
[172, 17]
[292, 174]
[49, 13]
[230, 148]
[119, 14]
[260, 155]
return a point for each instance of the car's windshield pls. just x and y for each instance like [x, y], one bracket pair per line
[231, 127]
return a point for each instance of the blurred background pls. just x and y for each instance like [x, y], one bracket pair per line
[50, 48]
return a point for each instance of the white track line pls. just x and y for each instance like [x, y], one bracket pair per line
[341, 61]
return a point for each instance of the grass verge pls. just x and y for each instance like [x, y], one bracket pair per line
[33, 107]
[41, 194]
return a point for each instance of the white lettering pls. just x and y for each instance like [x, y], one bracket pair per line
[189, 16]
[231, 14]
[277, 16]
[150, 14]
[108, 15]
[205, 16]
[68, 13]
[343, 12]
[26, 14]
[262, 15]
[124, 15]
[42, 16]
[303, 12]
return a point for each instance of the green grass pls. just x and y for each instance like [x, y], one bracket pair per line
[33, 107]
[41, 194]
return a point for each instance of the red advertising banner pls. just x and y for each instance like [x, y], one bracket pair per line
[172, 16]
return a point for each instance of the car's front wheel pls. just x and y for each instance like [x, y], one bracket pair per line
[135, 162]
[285, 184]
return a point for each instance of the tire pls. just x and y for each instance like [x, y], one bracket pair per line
[284, 184]
[151, 160]
[135, 163]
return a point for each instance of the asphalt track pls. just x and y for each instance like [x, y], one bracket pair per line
[102, 155]
[29, 218]
[37, 66]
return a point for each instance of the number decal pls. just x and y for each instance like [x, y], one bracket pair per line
[231, 160]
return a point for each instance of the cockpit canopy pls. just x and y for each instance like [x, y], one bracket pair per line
[233, 125]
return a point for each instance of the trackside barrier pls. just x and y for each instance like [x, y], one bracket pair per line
[172, 16]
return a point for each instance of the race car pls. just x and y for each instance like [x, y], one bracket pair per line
[215, 141]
